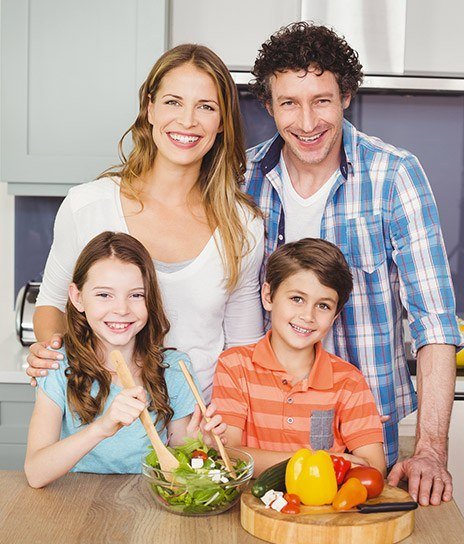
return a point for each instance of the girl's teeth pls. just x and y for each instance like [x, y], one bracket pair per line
[119, 326]
[184, 139]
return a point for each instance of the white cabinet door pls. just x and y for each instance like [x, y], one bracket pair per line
[434, 38]
[233, 29]
[70, 78]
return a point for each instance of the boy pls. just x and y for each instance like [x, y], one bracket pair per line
[286, 392]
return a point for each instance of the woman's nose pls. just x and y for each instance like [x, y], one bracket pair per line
[188, 117]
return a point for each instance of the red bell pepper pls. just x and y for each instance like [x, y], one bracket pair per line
[341, 467]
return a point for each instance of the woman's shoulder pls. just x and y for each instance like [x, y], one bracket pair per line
[93, 191]
[252, 220]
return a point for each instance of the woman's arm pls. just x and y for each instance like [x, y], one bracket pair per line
[48, 321]
[48, 458]
[243, 316]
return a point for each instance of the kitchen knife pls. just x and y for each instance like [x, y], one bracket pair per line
[386, 507]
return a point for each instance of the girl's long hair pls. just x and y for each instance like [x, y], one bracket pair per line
[223, 167]
[85, 352]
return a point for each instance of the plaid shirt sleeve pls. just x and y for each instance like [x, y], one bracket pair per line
[419, 252]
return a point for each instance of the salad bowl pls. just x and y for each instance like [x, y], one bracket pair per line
[210, 489]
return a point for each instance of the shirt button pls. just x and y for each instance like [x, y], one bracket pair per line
[280, 237]
[290, 400]
[284, 381]
[290, 420]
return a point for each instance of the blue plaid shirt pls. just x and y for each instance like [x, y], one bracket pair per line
[381, 213]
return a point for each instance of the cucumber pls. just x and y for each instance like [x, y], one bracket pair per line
[272, 478]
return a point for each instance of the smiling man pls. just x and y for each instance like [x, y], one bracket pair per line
[320, 177]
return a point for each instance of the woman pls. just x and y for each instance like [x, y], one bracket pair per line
[178, 193]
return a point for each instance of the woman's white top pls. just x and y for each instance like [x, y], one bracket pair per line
[205, 318]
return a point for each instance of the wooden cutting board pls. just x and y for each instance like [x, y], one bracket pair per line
[323, 525]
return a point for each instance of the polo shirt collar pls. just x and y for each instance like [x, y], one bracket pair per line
[321, 375]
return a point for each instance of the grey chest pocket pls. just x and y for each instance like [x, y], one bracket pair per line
[321, 436]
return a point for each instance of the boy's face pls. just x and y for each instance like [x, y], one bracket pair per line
[302, 311]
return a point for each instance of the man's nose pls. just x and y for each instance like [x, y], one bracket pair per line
[309, 119]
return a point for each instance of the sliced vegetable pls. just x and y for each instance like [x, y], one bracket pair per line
[199, 454]
[371, 479]
[311, 476]
[290, 509]
[291, 498]
[341, 467]
[349, 495]
[272, 478]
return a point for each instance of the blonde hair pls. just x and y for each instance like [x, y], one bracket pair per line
[83, 349]
[223, 167]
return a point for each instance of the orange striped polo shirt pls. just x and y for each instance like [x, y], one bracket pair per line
[331, 409]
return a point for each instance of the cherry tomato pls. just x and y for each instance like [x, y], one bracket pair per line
[291, 498]
[370, 477]
[290, 509]
[199, 454]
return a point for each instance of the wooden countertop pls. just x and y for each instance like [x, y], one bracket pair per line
[92, 508]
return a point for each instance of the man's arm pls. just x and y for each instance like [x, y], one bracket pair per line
[426, 470]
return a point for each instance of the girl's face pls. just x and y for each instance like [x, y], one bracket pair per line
[113, 299]
[185, 116]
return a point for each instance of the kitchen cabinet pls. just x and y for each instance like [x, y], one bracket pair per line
[16, 404]
[234, 30]
[70, 78]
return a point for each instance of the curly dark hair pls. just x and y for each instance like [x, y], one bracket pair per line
[300, 45]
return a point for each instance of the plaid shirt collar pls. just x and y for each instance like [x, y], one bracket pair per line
[269, 154]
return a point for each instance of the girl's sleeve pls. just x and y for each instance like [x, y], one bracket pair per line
[54, 385]
[180, 395]
[61, 259]
[243, 317]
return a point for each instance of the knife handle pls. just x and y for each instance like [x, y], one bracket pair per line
[386, 507]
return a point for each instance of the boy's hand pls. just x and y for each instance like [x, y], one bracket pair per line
[41, 359]
[123, 411]
[214, 424]
[355, 460]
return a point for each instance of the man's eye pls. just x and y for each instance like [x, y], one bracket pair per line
[287, 103]
[324, 101]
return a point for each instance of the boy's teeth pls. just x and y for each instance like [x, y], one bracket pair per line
[299, 329]
[184, 139]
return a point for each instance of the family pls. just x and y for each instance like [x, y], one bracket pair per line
[297, 257]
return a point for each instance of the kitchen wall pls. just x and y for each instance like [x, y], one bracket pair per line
[7, 259]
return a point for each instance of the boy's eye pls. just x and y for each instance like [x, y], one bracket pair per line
[298, 300]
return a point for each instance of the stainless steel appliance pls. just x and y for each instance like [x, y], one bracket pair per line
[24, 308]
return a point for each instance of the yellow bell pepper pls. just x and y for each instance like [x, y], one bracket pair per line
[311, 476]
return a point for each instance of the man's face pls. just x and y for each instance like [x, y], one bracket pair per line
[308, 111]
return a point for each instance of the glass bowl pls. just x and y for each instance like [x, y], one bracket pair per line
[196, 494]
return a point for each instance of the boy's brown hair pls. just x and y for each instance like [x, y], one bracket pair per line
[322, 258]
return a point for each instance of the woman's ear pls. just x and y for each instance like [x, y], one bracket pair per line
[266, 298]
[75, 297]
[150, 111]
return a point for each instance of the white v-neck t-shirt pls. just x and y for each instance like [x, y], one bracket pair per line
[303, 216]
[204, 317]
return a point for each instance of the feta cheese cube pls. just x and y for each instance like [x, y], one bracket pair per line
[278, 504]
[268, 497]
[197, 462]
[224, 479]
[215, 475]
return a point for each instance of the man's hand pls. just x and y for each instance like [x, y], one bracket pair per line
[40, 358]
[428, 480]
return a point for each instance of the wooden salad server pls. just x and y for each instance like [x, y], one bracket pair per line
[201, 404]
[166, 459]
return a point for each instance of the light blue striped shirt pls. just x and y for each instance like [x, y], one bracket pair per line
[381, 213]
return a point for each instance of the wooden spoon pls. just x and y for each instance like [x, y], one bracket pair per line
[201, 404]
[166, 459]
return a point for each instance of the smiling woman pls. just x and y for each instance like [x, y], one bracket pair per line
[177, 192]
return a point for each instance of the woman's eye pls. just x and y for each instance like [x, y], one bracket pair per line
[172, 102]
[207, 107]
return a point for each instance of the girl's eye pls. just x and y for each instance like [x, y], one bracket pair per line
[103, 295]
[298, 300]
[324, 306]
[138, 295]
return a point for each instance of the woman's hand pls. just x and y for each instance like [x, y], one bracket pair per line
[41, 359]
[213, 425]
[123, 411]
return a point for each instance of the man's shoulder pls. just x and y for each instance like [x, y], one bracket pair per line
[343, 370]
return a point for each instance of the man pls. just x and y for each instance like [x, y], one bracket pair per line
[320, 177]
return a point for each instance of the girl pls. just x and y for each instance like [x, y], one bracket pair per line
[178, 192]
[82, 420]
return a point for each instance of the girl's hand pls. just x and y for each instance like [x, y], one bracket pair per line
[214, 425]
[123, 411]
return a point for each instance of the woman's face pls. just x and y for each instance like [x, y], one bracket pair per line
[185, 116]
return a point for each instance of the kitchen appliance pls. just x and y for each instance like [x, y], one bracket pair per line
[24, 311]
